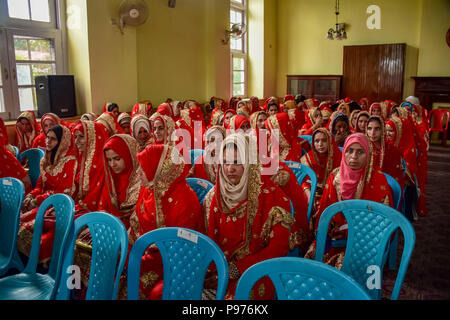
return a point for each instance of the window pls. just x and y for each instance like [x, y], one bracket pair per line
[32, 43]
[238, 49]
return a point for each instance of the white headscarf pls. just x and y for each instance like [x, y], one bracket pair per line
[413, 100]
[233, 194]
[138, 123]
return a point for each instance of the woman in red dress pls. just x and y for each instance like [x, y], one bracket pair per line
[4, 138]
[48, 120]
[361, 121]
[216, 119]
[353, 121]
[314, 120]
[285, 147]
[27, 129]
[142, 108]
[141, 131]
[121, 191]
[239, 123]
[89, 138]
[324, 157]
[165, 200]
[247, 215]
[109, 121]
[163, 128]
[58, 170]
[375, 110]
[205, 167]
[386, 157]
[354, 179]
[257, 120]
[228, 114]
[124, 121]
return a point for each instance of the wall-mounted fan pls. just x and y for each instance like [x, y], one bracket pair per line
[236, 32]
[132, 13]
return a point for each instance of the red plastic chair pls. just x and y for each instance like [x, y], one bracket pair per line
[438, 123]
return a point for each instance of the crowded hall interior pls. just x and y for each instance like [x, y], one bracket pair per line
[224, 149]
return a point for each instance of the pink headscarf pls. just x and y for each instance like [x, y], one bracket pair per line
[351, 178]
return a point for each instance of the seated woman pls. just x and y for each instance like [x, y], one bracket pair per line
[375, 110]
[386, 157]
[217, 118]
[340, 129]
[120, 194]
[257, 120]
[4, 138]
[90, 116]
[89, 138]
[141, 131]
[364, 104]
[247, 215]
[113, 108]
[109, 121]
[361, 121]
[48, 120]
[239, 123]
[27, 129]
[344, 108]
[228, 114]
[355, 178]
[163, 128]
[353, 120]
[272, 108]
[205, 167]
[9, 165]
[165, 200]
[145, 109]
[314, 120]
[58, 170]
[124, 121]
[285, 147]
[324, 157]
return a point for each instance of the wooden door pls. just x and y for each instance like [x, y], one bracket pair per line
[374, 71]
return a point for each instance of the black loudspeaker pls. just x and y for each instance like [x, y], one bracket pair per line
[56, 94]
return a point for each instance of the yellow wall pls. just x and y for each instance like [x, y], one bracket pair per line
[434, 55]
[303, 24]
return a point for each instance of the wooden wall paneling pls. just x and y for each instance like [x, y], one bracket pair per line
[391, 74]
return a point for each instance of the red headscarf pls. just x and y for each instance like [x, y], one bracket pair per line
[350, 178]
[237, 121]
[142, 108]
[225, 114]
[288, 144]
[25, 141]
[288, 97]
[165, 110]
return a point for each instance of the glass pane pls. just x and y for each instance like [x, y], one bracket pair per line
[235, 16]
[24, 75]
[236, 44]
[238, 76]
[238, 64]
[43, 70]
[41, 49]
[2, 101]
[40, 10]
[18, 9]
[239, 1]
[26, 97]
[238, 89]
[21, 48]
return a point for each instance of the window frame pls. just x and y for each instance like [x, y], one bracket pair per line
[243, 8]
[10, 27]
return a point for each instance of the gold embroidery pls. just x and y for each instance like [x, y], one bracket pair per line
[149, 279]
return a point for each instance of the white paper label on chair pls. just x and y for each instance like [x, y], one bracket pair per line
[295, 165]
[7, 182]
[187, 235]
[202, 183]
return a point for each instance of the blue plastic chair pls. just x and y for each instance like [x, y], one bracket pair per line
[12, 192]
[195, 154]
[396, 190]
[201, 187]
[307, 138]
[109, 253]
[341, 148]
[186, 256]
[31, 285]
[34, 157]
[301, 171]
[16, 154]
[370, 226]
[301, 279]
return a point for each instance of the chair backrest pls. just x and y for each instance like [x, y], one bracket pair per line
[396, 190]
[34, 157]
[438, 123]
[16, 149]
[301, 279]
[301, 171]
[201, 187]
[195, 153]
[109, 253]
[12, 192]
[307, 138]
[64, 207]
[370, 226]
[186, 256]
